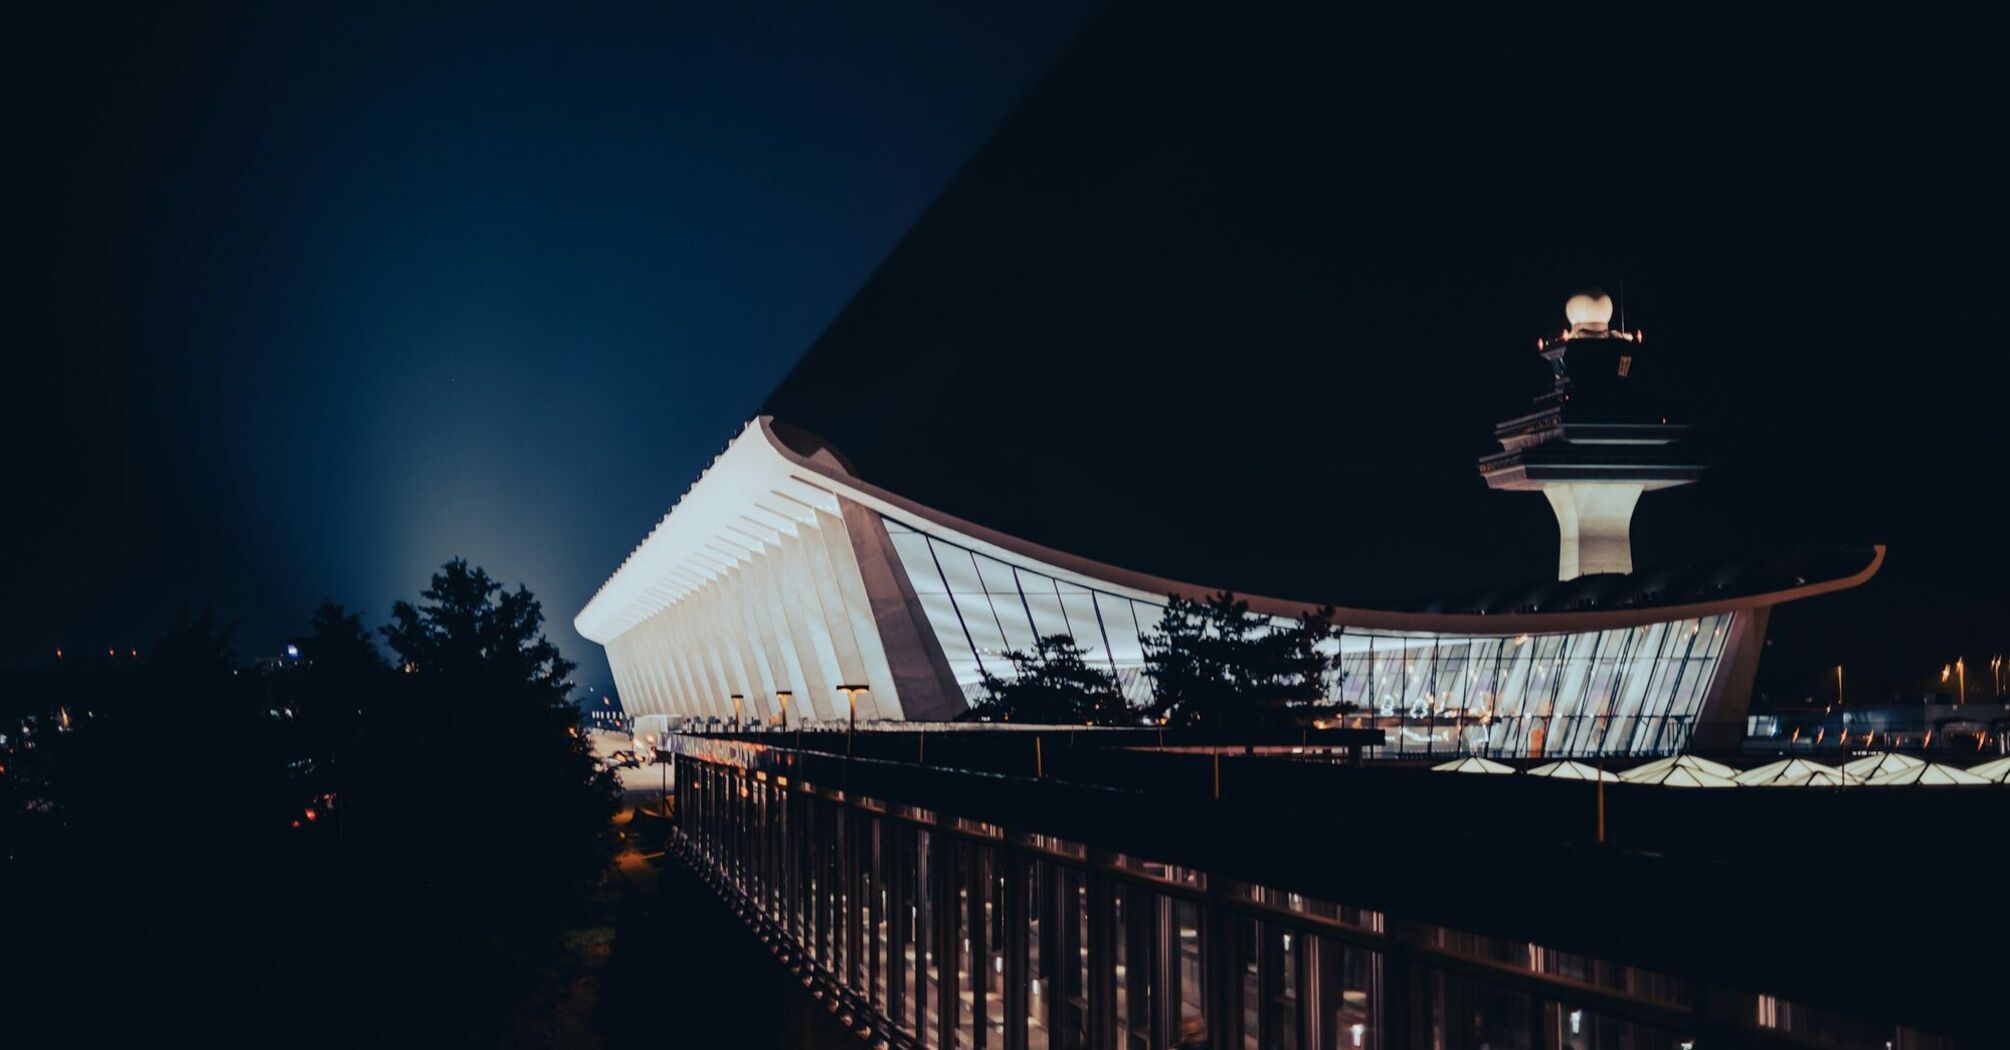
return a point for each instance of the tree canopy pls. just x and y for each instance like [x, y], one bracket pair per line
[1054, 684]
[337, 643]
[317, 850]
[468, 624]
[1214, 663]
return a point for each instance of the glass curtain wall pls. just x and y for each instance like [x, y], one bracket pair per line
[1627, 691]
[981, 608]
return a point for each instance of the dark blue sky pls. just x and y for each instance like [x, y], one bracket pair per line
[307, 302]
[316, 299]
[1238, 300]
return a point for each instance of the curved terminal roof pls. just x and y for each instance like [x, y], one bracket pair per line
[1675, 585]
[773, 478]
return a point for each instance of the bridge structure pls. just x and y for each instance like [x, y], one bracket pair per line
[1070, 889]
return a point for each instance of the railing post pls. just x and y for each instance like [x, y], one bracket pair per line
[894, 839]
[856, 973]
[943, 917]
[1102, 962]
[1404, 1013]
[1017, 923]
[1218, 945]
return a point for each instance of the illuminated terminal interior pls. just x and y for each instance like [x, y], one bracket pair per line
[782, 586]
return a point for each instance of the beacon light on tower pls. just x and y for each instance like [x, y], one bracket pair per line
[1596, 440]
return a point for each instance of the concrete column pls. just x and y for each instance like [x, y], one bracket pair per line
[754, 641]
[857, 605]
[1592, 521]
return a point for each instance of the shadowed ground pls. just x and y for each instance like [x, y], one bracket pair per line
[685, 972]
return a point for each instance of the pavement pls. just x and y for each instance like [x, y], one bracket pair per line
[684, 970]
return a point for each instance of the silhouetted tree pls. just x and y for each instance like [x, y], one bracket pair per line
[1192, 659]
[389, 868]
[193, 652]
[1214, 663]
[339, 689]
[1054, 685]
[338, 644]
[1291, 669]
[158, 868]
[470, 626]
[473, 813]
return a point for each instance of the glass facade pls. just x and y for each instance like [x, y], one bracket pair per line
[1625, 691]
[981, 607]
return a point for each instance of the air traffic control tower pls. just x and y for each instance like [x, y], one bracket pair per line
[1597, 439]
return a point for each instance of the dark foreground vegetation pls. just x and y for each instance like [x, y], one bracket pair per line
[321, 850]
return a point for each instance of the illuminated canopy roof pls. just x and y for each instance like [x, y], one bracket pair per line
[784, 587]
[754, 489]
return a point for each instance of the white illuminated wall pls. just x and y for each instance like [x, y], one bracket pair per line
[778, 573]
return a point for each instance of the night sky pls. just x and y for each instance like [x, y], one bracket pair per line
[309, 302]
[1238, 301]
[309, 299]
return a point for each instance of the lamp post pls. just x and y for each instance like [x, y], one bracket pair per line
[736, 711]
[851, 701]
[783, 697]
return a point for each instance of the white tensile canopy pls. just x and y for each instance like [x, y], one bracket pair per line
[1656, 772]
[1472, 764]
[1795, 772]
[1881, 763]
[1680, 776]
[1570, 769]
[1929, 774]
[1995, 771]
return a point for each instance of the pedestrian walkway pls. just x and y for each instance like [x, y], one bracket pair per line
[731, 995]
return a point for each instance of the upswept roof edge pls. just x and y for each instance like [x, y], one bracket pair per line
[649, 578]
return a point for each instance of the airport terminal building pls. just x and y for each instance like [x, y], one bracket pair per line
[783, 586]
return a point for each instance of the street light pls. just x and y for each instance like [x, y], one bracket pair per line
[851, 699]
[851, 727]
[783, 696]
[736, 711]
